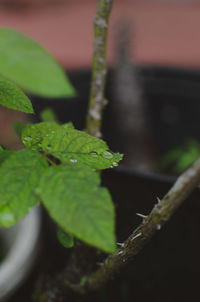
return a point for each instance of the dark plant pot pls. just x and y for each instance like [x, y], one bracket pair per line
[168, 268]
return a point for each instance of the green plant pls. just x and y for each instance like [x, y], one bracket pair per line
[60, 166]
[181, 157]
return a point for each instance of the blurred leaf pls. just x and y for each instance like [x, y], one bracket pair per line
[181, 158]
[31, 66]
[19, 127]
[13, 97]
[48, 115]
[4, 154]
[66, 239]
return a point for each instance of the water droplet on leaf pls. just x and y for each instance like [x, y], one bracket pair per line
[107, 155]
[27, 139]
[73, 160]
[94, 154]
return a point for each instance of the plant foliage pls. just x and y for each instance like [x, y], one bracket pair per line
[28, 64]
[70, 190]
[59, 165]
[13, 97]
[181, 157]
[75, 200]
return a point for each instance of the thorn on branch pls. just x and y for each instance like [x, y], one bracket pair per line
[120, 244]
[120, 252]
[158, 200]
[141, 215]
[136, 236]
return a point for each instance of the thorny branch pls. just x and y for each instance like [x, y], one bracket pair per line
[160, 214]
[96, 102]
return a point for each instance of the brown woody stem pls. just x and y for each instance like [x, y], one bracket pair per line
[96, 101]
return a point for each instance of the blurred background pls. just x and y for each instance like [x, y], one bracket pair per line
[166, 31]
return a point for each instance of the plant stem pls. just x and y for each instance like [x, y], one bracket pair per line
[113, 264]
[160, 214]
[96, 101]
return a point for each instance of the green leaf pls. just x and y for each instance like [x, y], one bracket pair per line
[31, 66]
[75, 201]
[68, 126]
[33, 135]
[182, 157]
[47, 115]
[70, 145]
[19, 175]
[79, 147]
[19, 127]
[4, 154]
[66, 239]
[13, 97]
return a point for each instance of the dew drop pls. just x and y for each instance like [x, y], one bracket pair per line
[94, 154]
[27, 139]
[107, 155]
[73, 160]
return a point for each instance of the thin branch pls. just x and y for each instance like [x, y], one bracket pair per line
[82, 257]
[96, 102]
[160, 214]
